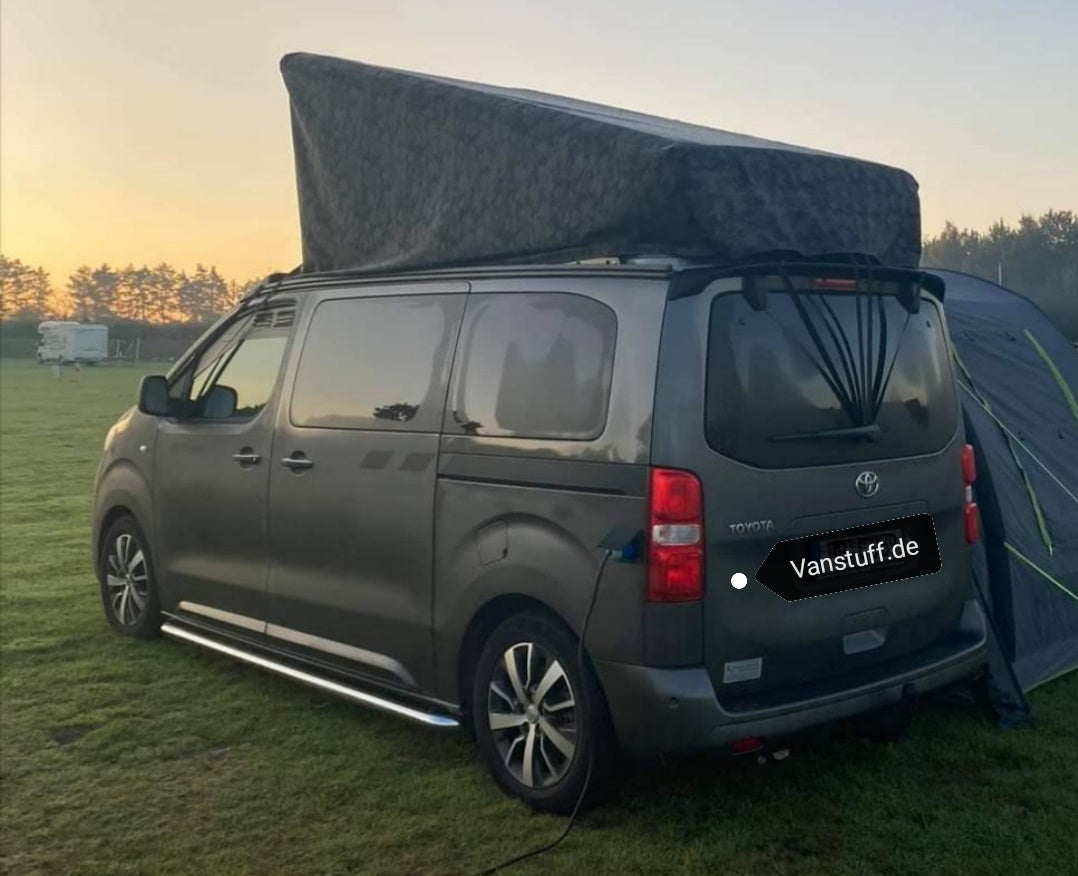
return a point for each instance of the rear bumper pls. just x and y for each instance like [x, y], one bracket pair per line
[666, 710]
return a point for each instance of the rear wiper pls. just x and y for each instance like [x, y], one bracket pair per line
[853, 433]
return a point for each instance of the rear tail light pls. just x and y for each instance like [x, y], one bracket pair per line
[675, 536]
[746, 745]
[969, 512]
[969, 465]
[973, 523]
[834, 283]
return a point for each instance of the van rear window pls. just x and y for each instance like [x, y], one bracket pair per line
[825, 379]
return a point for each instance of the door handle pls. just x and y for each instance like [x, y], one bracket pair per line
[297, 462]
[247, 456]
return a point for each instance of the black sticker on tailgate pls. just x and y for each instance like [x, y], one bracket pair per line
[846, 559]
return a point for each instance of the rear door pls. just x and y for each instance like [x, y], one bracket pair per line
[781, 409]
[352, 481]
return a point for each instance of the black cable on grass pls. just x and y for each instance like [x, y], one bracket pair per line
[591, 748]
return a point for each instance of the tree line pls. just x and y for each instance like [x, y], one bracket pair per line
[1037, 258]
[155, 295]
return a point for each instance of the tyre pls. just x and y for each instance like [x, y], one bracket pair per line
[538, 719]
[128, 587]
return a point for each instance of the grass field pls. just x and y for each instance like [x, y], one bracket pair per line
[126, 757]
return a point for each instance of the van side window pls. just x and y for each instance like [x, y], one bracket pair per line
[251, 370]
[243, 360]
[214, 357]
[533, 365]
[377, 363]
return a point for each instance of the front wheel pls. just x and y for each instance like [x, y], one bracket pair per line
[539, 720]
[128, 588]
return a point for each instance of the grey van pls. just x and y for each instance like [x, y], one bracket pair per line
[533, 501]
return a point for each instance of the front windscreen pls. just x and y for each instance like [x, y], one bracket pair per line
[826, 378]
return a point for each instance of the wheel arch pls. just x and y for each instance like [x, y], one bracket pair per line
[113, 514]
[122, 491]
[483, 622]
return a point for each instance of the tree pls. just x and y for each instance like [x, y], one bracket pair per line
[202, 296]
[1037, 258]
[238, 291]
[25, 291]
[162, 284]
[133, 294]
[93, 292]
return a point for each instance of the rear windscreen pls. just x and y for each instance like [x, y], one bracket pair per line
[827, 378]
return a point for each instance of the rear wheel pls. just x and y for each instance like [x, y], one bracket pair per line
[128, 588]
[538, 719]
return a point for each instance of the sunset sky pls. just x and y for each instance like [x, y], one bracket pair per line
[158, 131]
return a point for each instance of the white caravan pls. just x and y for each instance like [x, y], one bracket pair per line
[69, 342]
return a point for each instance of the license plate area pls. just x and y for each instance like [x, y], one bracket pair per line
[847, 559]
[858, 544]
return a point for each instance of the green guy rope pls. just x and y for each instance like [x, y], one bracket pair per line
[1042, 524]
[1037, 568]
[1019, 442]
[1052, 367]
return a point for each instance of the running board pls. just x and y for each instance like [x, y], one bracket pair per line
[336, 688]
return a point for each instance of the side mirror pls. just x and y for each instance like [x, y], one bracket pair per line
[153, 395]
[219, 403]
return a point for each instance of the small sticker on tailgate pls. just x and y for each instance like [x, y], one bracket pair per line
[742, 670]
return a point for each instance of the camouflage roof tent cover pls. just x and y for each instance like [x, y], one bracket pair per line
[399, 170]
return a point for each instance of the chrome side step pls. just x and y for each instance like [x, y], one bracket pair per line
[336, 688]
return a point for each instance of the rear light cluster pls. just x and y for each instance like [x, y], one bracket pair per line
[675, 536]
[834, 283]
[969, 512]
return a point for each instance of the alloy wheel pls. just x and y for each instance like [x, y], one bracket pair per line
[532, 714]
[127, 577]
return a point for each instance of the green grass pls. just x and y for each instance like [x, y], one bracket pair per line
[123, 757]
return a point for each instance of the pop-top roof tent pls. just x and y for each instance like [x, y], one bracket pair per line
[399, 170]
[1018, 377]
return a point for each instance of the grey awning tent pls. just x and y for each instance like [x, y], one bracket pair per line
[1018, 378]
[399, 170]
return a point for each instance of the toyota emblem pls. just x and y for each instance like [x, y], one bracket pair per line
[866, 484]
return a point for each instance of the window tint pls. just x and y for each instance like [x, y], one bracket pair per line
[377, 363]
[251, 371]
[533, 366]
[784, 383]
[246, 357]
[214, 356]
